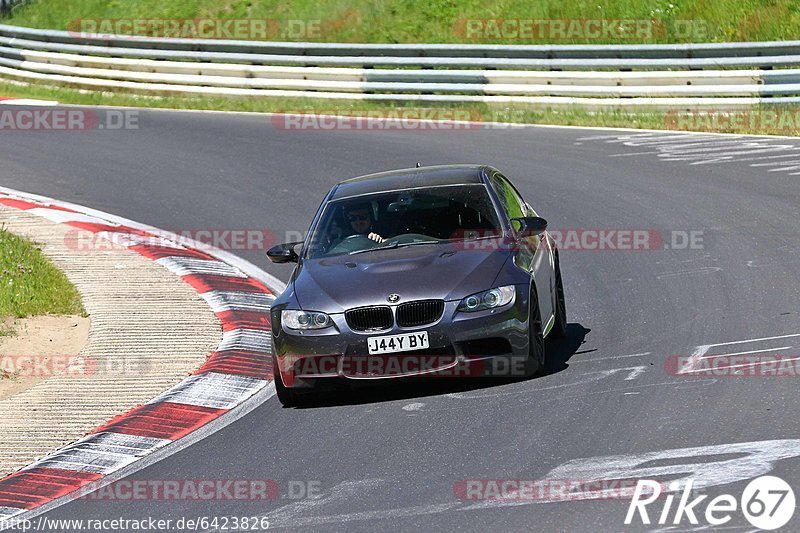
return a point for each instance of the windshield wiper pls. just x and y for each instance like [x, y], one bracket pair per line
[393, 245]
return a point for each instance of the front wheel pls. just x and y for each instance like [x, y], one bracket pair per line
[536, 357]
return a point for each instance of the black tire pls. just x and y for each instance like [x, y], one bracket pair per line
[560, 323]
[536, 356]
[286, 396]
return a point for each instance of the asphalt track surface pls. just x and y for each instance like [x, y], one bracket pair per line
[388, 458]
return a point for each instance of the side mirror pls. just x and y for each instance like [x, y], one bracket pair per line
[529, 226]
[283, 253]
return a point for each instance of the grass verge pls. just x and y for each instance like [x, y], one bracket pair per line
[31, 285]
[445, 21]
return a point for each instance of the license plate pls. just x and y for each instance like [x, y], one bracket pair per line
[398, 343]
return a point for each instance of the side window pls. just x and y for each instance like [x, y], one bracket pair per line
[512, 202]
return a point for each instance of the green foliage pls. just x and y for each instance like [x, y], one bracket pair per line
[29, 284]
[442, 21]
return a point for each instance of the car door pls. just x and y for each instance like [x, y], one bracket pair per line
[535, 255]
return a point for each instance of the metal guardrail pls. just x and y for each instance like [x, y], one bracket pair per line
[594, 76]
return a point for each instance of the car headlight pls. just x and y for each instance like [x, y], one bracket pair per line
[305, 319]
[490, 299]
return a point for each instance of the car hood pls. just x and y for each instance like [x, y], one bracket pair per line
[335, 284]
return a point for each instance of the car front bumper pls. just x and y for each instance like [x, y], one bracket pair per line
[485, 343]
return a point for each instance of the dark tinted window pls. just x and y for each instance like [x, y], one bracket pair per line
[512, 202]
[402, 217]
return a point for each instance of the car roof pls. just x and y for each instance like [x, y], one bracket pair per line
[409, 178]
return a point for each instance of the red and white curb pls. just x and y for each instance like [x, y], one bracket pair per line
[239, 371]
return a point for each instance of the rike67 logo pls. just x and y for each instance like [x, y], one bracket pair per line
[767, 503]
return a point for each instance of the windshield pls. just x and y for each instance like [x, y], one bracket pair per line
[402, 218]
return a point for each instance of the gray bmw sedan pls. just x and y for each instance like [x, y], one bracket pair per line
[433, 271]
